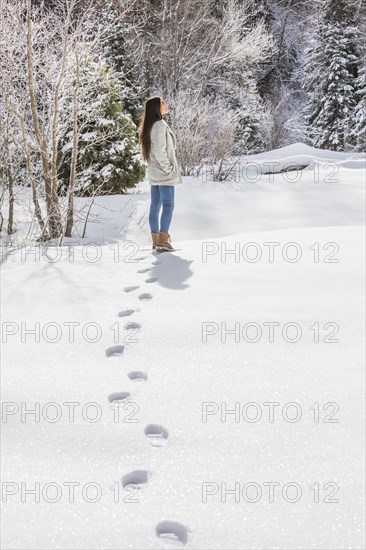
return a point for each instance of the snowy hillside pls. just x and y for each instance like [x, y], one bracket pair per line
[210, 398]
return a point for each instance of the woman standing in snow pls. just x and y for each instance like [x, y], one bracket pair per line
[158, 145]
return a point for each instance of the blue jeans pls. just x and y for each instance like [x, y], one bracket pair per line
[161, 195]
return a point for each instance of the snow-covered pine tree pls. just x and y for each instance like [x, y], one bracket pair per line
[330, 75]
[359, 129]
[247, 100]
[121, 51]
[108, 157]
[250, 112]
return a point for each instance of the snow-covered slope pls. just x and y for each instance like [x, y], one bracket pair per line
[150, 331]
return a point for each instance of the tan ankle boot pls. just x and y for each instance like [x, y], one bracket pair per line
[155, 239]
[164, 242]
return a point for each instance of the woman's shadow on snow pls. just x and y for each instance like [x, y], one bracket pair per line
[172, 271]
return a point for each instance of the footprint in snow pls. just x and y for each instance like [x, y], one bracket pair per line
[127, 312]
[172, 534]
[157, 435]
[145, 296]
[119, 397]
[143, 270]
[137, 376]
[138, 479]
[114, 351]
[132, 326]
[151, 280]
[141, 258]
[130, 288]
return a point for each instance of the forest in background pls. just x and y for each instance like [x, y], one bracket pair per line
[239, 76]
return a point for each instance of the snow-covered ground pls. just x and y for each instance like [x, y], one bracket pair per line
[260, 312]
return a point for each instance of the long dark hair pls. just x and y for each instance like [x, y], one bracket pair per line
[150, 115]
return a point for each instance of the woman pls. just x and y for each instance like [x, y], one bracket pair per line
[158, 145]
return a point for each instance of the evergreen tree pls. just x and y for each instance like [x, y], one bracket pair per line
[249, 108]
[120, 46]
[108, 158]
[359, 131]
[330, 75]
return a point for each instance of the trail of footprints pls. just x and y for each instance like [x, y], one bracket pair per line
[171, 533]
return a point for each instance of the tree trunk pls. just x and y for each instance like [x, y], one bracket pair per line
[11, 199]
[52, 202]
[74, 156]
